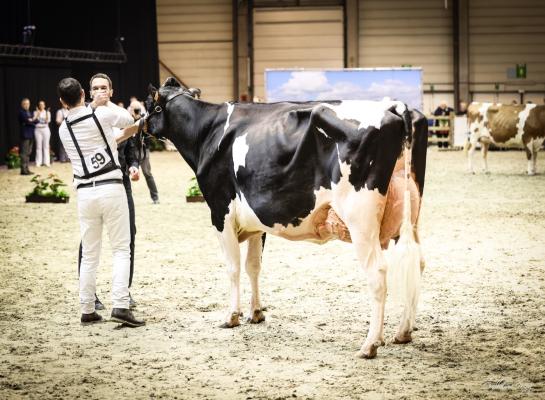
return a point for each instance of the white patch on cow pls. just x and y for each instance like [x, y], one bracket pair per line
[247, 220]
[230, 109]
[522, 117]
[323, 132]
[483, 125]
[368, 113]
[240, 149]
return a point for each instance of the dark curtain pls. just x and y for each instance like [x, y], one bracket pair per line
[95, 29]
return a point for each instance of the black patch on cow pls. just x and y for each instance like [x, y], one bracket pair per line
[419, 148]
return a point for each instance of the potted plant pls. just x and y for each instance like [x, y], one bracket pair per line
[47, 190]
[193, 193]
[13, 159]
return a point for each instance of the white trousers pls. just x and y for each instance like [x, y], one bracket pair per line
[42, 136]
[104, 205]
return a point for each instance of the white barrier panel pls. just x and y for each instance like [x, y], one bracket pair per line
[460, 131]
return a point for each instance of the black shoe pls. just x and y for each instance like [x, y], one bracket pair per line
[98, 304]
[27, 173]
[124, 316]
[88, 319]
[132, 303]
[155, 201]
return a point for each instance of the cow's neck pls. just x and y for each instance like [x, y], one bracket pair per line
[191, 122]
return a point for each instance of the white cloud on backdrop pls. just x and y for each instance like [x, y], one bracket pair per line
[314, 85]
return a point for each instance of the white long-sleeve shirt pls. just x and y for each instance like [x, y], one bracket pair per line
[89, 138]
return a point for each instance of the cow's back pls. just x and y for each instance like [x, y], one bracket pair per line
[504, 122]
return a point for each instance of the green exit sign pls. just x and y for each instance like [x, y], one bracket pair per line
[521, 71]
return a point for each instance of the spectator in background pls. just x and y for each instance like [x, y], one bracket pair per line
[442, 111]
[28, 125]
[61, 115]
[462, 108]
[137, 111]
[134, 102]
[42, 134]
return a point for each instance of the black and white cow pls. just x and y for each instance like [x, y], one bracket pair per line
[303, 171]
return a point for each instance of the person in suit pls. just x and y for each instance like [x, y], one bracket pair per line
[27, 123]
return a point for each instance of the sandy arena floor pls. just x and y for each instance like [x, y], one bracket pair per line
[481, 319]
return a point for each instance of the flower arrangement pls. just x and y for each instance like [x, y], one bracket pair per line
[13, 159]
[47, 189]
[194, 193]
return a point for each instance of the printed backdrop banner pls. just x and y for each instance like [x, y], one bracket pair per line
[404, 84]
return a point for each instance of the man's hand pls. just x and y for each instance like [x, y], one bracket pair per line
[100, 99]
[134, 173]
[127, 133]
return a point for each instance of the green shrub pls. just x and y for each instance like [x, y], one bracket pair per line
[193, 189]
[50, 186]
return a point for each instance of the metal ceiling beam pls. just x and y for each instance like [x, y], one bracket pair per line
[48, 53]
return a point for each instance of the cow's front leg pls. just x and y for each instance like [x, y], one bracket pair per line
[231, 250]
[484, 151]
[253, 267]
[470, 151]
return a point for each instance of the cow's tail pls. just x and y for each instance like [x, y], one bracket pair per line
[408, 125]
[404, 261]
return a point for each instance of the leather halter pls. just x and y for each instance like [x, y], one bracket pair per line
[142, 125]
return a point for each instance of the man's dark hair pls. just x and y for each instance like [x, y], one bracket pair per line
[99, 75]
[69, 90]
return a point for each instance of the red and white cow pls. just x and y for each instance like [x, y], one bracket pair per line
[505, 124]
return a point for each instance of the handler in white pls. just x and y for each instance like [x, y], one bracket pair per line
[91, 145]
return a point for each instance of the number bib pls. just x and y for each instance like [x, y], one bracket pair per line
[97, 160]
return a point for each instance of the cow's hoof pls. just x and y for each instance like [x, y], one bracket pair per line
[234, 320]
[257, 317]
[402, 338]
[368, 353]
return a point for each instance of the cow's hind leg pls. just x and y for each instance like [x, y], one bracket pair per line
[532, 148]
[253, 267]
[364, 230]
[231, 250]
[370, 256]
[411, 267]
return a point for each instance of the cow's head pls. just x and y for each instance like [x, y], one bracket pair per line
[157, 123]
[158, 103]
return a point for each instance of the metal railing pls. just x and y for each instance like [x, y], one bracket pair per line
[447, 128]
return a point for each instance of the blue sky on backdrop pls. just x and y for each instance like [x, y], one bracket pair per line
[361, 84]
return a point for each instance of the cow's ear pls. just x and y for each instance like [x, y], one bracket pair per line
[195, 92]
[172, 82]
[153, 92]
